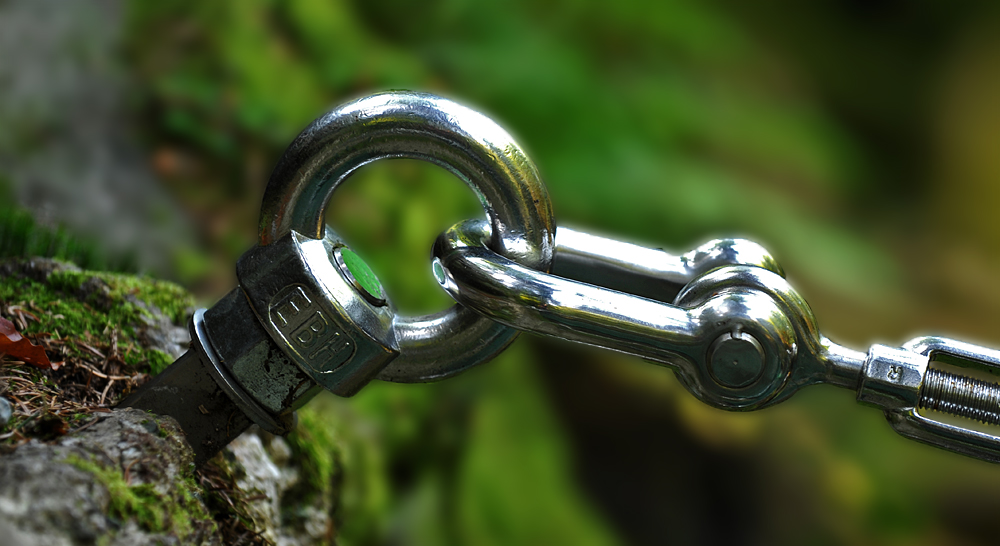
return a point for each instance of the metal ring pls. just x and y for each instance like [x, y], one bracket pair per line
[466, 143]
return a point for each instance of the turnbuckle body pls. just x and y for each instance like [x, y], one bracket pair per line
[931, 377]
[738, 336]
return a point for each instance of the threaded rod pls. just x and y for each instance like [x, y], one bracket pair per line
[960, 395]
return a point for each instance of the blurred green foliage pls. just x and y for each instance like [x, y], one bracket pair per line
[612, 100]
[480, 461]
[801, 125]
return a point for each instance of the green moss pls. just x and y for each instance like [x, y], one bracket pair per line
[170, 298]
[141, 502]
[339, 457]
[317, 456]
[155, 512]
[187, 508]
[315, 451]
[157, 361]
[61, 313]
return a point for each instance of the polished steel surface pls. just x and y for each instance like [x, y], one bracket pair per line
[336, 335]
[465, 142]
[722, 316]
[736, 359]
[648, 272]
[959, 395]
[966, 396]
[737, 335]
[739, 311]
[892, 377]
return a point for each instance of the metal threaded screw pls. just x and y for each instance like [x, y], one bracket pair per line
[960, 395]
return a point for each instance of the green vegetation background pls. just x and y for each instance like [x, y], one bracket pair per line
[856, 140]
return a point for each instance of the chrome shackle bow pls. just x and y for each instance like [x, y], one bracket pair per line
[738, 336]
[309, 314]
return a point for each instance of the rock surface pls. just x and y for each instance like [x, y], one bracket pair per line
[156, 329]
[127, 478]
[262, 462]
[75, 491]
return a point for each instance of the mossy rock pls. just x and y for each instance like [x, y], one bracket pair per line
[85, 473]
[60, 300]
[128, 478]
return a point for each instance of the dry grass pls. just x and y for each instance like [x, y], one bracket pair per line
[91, 377]
[223, 496]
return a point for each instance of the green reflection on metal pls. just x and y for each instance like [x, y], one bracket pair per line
[362, 273]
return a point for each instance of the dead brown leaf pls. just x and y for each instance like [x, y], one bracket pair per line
[16, 346]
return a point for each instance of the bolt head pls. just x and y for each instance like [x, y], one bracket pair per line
[735, 360]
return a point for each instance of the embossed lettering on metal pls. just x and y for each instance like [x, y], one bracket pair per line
[309, 332]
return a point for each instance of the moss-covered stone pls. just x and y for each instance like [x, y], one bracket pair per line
[99, 326]
[171, 506]
[261, 490]
[316, 455]
[127, 478]
[152, 510]
[64, 301]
